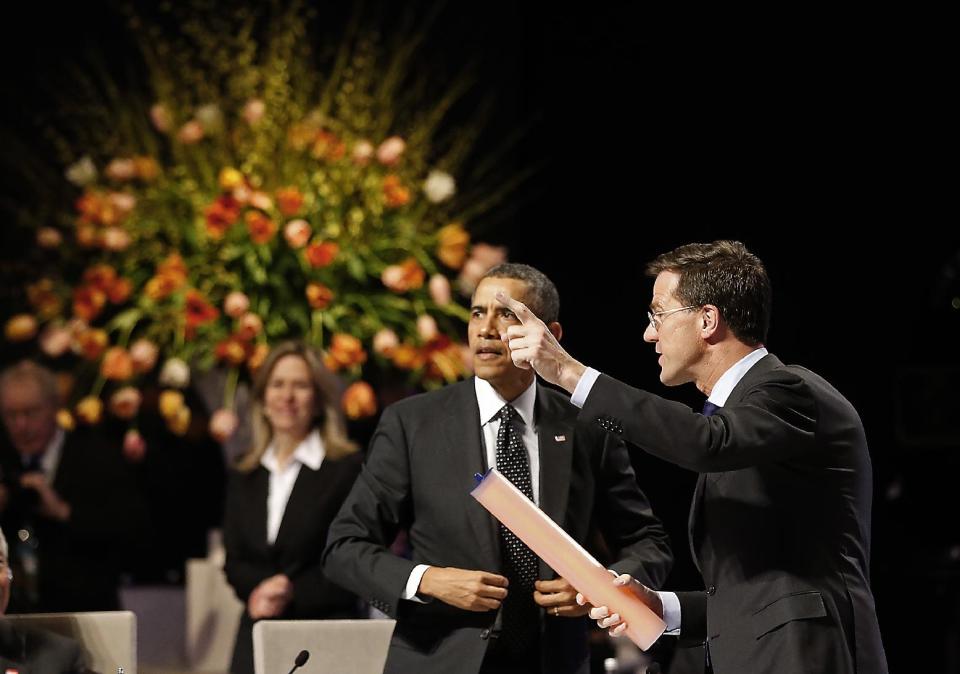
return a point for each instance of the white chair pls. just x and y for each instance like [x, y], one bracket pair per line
[213, 615]
[335, 646]
[108, 639]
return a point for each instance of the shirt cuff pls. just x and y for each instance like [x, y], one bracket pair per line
[584, 386]
[671, 612]
[413, 583]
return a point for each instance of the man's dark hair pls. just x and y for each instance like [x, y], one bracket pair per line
[727, 275]
[542, 297]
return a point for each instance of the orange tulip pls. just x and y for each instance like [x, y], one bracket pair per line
[21, 327]
[90, 410]
[319, 296]
[359, 400]
[117, 364]
[321, 254]
[452, 243]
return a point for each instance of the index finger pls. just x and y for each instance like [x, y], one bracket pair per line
[521, 310]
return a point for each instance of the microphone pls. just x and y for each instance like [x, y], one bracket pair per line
[300, 661]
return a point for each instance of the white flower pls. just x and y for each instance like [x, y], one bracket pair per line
[209, 116]
[439, 186]
[175, 373]
[362, 152]
[82, 172]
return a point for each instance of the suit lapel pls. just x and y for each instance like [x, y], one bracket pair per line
[555, 436]
[694, 523]
[465, 456]
[304, 498]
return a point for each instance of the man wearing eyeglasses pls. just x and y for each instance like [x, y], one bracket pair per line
[780, 521]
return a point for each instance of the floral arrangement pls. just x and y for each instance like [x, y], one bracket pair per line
[256, 197]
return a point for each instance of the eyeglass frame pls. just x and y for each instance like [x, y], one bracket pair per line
[656, 321]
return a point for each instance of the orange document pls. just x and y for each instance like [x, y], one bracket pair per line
[565, 556]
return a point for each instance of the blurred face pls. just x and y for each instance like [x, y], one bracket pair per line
[677, 338]
[289, 401]
[488, 321]
[28, 415]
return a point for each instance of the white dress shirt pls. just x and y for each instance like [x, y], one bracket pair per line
[490, 402]
[718, 396]
[309, 453]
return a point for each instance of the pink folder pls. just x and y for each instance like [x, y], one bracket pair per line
[566, 556]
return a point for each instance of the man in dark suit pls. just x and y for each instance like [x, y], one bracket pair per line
[780, 523]
[33, 651]
[472, 598]
[69, 497]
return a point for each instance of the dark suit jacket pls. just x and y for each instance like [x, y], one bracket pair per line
[38, 651]
[78, 561]
[315, 499]
[419, 474]
[780, 523]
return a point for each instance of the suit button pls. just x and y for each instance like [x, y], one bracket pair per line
[485, 634]
[712, 590]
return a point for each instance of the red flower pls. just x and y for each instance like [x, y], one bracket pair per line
[88, 302]
[220, 216]
[319, 296]
[289, 201]
[261, 227]
[198, 310]
[321, 254]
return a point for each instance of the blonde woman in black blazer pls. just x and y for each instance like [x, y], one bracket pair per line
[283, 494]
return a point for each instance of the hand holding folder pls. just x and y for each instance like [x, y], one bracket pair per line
[566, 556]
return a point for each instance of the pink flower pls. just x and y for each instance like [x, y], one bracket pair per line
[121, 169]
[439, 287]
[483, 257]
[223, 424]
[190, 133]
[426, 327]
[123, 202]
[49, 237]
[385, 341]
[116, 239]
[144, 354]
[160, 116]
[250, 326]
[236, 304]
[261, 200]
[297, 233]
[134, 446]
[253, 111]
[362, 152]
[390, 150]
[125, 403]
[55, 340]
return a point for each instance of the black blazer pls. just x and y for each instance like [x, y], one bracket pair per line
[419, 474]
[780, 523]
[78, 561]
[315, 499]
[38, 651]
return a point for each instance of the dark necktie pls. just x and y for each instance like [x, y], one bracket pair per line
[709, 408]
[32, 463]
[520, 613]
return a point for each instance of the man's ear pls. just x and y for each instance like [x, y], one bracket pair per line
[710, 320]
[555, 330]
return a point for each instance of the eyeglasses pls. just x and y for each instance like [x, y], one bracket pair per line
[656, 319]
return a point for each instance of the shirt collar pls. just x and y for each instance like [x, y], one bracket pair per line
[310, 452]
[490, 402]
[729, 380]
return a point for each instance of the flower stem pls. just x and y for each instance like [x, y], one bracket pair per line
[230, 388]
